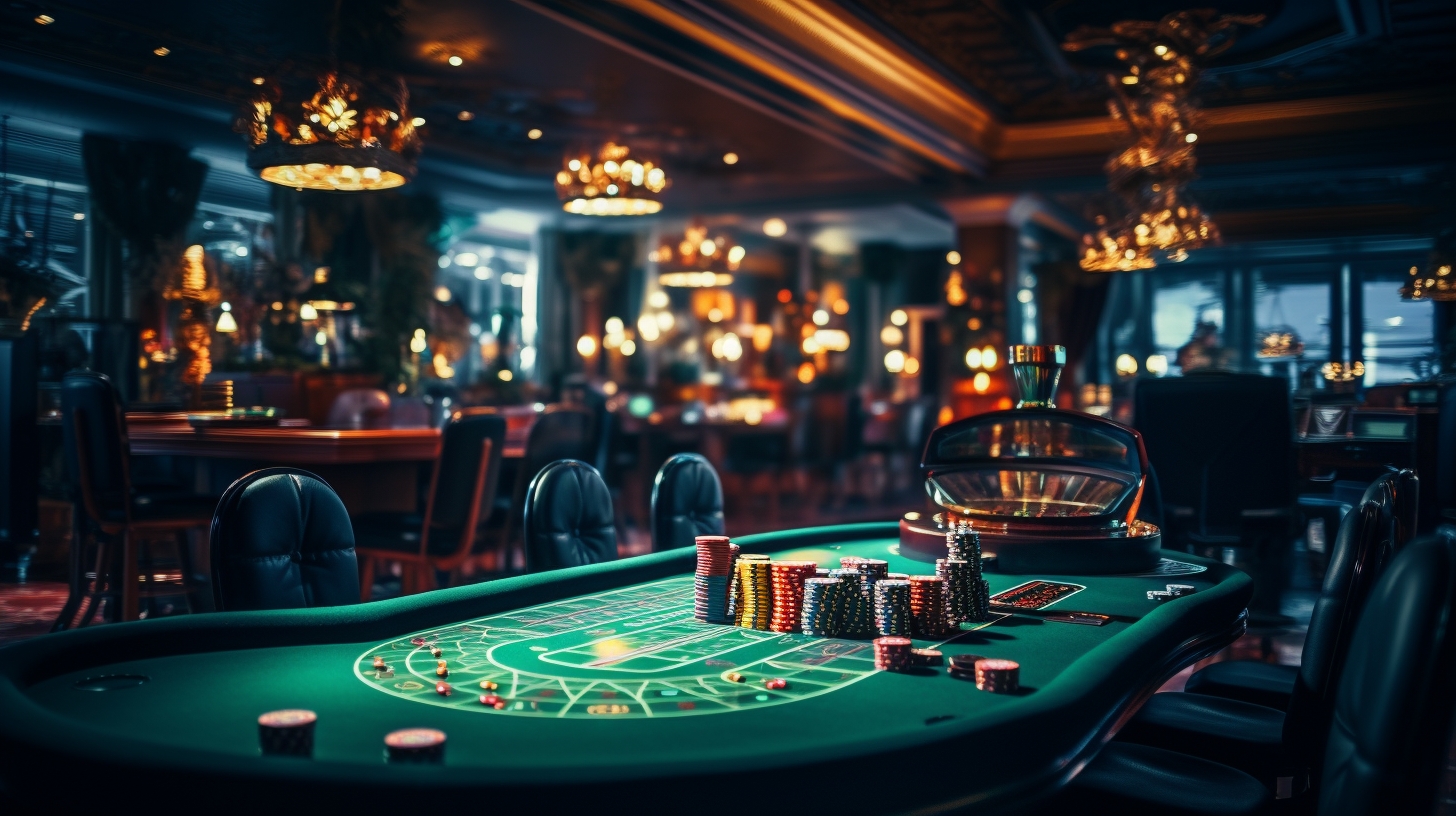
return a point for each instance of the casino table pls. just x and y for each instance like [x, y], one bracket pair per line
[616, 698]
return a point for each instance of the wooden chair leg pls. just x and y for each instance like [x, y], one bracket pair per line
[79, 588]
[129, 574]
[366, 578]
[98, 590]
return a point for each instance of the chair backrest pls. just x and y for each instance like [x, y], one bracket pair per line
[1365, 545]
[1222, 443]
[96, 448]
[568, 518]
[559, 433]
[1391, 730]
[281, 539]
[360, 408]
[465, 478]
[408, 412]
[1407, 486]
[687, 501]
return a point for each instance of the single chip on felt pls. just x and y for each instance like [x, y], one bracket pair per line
[776, 683]
[287, 732]
[435, 651]
[927, 657]
[964, 665]
[735, 677]
[489, 700]
[415, 745]
[443, 689]
[489, 685]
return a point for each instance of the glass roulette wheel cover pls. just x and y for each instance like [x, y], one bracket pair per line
[1048, 490]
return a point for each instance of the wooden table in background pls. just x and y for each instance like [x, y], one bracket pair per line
[374, 469]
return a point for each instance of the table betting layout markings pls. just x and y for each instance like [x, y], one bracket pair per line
[633, 652]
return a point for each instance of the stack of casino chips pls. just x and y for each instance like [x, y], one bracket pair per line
[856, 618]
[788, 593]
[822, 606]
[710, 581]
[959, 589]
[873, 568]
[756, 579]
[999, 676]
[927, 606]
[892, 653]
[964, 544]
[735, 599]
[892, 607]
[734, 550]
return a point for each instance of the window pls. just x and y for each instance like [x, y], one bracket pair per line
[1398, 336]
[1292, 300]
[1186, 309]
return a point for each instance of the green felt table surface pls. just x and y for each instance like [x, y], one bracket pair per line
[611, 712]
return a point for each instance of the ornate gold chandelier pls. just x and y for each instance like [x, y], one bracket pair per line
[342, 134]
[1154, 98]
[610, 184]
[698, 261]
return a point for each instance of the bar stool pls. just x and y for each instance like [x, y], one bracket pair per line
[98, 463]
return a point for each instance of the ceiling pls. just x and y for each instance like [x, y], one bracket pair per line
[829, 105]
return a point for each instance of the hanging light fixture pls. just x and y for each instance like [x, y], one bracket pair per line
[1153, 96]
[611, 183]
[697, 261]
[1435, 281]
[338, 134]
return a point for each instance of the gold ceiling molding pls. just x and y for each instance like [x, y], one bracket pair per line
[1261, 120]
[912, 104]
[791, 22]
[852, 44]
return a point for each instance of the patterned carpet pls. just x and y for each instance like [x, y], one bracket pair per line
[27, 610]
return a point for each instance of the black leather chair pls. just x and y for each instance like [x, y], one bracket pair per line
[98, 466]
[568, 518]
[1223, 446]
[1271, 685]
[462, 488]
[687, 501]
[1389, 737]
[1269, 743]
[281, 540]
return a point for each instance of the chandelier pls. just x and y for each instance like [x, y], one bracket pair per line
[1280, 343]
[698, 261]
[1435, 281]
[1343, 372]
[610, 184]
[1433, 284]
[1153, 97]
[339, 134]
